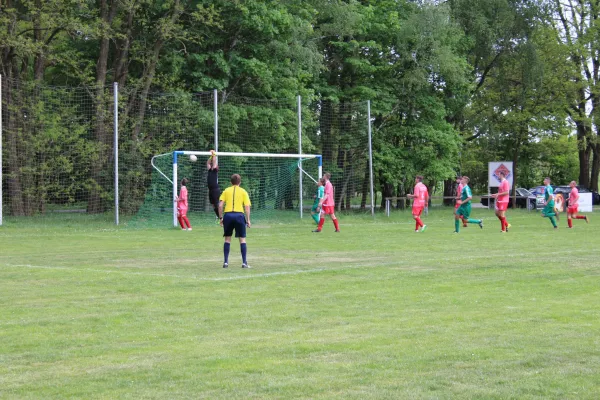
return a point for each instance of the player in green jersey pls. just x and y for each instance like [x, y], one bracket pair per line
[315, 212]
[464, 211]
[549, 211]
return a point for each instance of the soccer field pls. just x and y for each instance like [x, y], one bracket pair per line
[374, 312]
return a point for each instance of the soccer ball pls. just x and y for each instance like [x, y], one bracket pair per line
[193, 158]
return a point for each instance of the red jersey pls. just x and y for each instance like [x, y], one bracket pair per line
[574, 198]
[329, 200]
[458, 194]
[421, 195]
[182, 202]
[504, 187]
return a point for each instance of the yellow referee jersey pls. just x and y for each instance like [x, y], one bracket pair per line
[235, 199]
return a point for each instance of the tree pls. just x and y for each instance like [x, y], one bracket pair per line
[30, 41]
[415, 137]
[495, 31]
[576, 28]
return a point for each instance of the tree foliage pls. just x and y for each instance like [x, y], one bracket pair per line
[451, 84]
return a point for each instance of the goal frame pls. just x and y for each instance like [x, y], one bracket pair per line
[300, 157]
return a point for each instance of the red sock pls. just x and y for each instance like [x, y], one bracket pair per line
[504, 223]
[416, 224]
[501, 222]
[180, 219]
[570, 222]
[420, 222]
[335, 223]
[187, 221]
[580, 217]
[321, 222]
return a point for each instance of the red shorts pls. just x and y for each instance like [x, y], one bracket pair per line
[456, 205]
[501, 206]
[182, 211]
[417, 211]
[328, 210]
[572, 209]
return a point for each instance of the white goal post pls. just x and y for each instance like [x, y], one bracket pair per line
[177, 154]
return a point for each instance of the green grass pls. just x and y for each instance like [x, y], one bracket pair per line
[375, 312]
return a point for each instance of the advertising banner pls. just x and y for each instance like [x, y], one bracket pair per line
[494, 168]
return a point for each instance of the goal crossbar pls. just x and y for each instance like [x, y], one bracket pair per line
[178, 153]
[222, 153]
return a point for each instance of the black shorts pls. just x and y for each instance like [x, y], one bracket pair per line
[234, 221]
[213, 196]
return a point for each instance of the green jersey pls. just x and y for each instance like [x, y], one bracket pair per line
[548, 193]
[320, 194]
[466, 193]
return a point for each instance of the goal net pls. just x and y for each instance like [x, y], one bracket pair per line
[281, 186]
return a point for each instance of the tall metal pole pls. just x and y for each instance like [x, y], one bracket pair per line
[371, 158]
[300, 149]
[116, 148]
[0, 150]
[175, 188]
[216, 110]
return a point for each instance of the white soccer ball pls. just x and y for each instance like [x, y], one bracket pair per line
[193, 158]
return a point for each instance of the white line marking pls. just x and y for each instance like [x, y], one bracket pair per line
[269, 274]
[263, 275]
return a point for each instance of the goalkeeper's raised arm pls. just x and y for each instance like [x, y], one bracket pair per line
[212, 181]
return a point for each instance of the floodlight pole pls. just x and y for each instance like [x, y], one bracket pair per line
[300, 150]
[116, 148]
[175, 188]
[371, 157]
[0, 150]
[216, 111]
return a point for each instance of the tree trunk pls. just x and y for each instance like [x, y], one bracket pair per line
[595, 167]
[449, 191]
[326, 130]
[96, 201]
[10, 93]
[401, 192]
[387, 191]
[15, 192]
[584, 153]
[365, 187]
[516, 154]
[121, 61]
[146, 82]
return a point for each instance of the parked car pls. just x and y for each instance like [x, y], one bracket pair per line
[525, 199]
[565, 190]
[538, 193]
[539, 190]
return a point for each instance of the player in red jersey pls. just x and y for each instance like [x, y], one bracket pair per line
[327, 204]
[573, 208]
[420, 198]
[459, 189]
[502, 198]
[182, 206]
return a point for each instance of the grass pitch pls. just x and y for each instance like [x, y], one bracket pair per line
[374, 312]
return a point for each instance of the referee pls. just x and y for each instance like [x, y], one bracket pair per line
[234, 214]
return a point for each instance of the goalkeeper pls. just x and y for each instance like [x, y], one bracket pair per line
[212, 181]
[315, 212]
